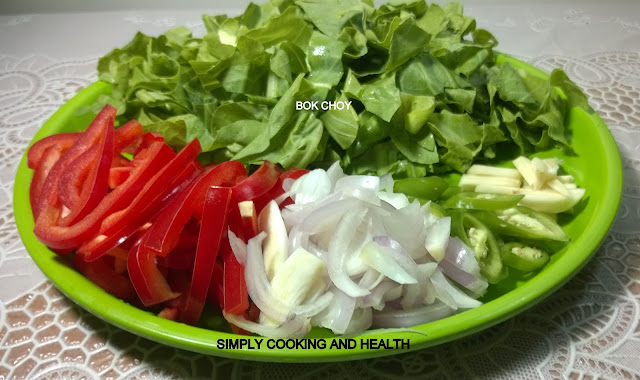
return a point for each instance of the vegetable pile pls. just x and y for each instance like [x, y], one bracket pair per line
[151, 229]
[427, 95]
[201, 202]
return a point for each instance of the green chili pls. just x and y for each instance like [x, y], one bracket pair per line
[483, 201]
[425, 188]
[522, 222]
[478, 237]
[523, 257]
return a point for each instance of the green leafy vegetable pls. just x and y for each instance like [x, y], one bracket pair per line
[426, 94]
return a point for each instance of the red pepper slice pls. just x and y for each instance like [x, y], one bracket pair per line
[128, 137]
[214, 223]
[61, 141]
[156, 187]
[150, 285]
[277, 189]
[258, 183]
[48, 159]
[215, 296]
[236, 298]
[117, 176]
[102, 273]
[165, 231]
[147, 163]
[142, 210]
[100, 129]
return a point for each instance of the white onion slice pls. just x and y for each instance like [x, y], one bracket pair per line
[461, 299]
[337, 315]
[324, 218]
[313, 308]
[399, 254]
[387, 183]
[335, 173]
[337, 254]
[414, 317]
[238, 247]
[360, 321]
[376, 298]
[371, 279]
[381, 259]
[437, 237]
[461, 265]
[258, 285]
[296, 327]
[311, 187]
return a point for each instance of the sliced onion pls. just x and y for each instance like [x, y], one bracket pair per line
[376, 298]
[297, 238]
[437, 237]
[258, 285]
[414, 317]
[360, 321]
[399, 254]
[406, 226]
[383, 260]
[335, 173]
[313, 308]
[461, 265]
[337, 254]
[326, 217]
[296, 213]
[368, 182]
[461, 299]
[295, 327]
[414, 295]
[370, 279]
[337, 315]
[238, 247]
[311, 187]
[387, 183]
[397, 200]
[429, 218]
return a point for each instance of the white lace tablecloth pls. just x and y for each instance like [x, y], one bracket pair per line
[587, 330]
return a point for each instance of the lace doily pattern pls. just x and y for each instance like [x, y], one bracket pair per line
[589, 329]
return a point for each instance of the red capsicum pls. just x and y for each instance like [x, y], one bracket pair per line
[212, 228]
[165, 231]
[157, 192]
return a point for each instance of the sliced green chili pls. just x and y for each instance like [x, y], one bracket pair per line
[522, 222]
[478, 237]
[425, 188]
[523, 257]
[483, 201]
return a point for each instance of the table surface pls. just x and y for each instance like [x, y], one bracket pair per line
[587, 330]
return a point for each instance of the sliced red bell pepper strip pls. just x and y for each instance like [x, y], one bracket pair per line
[236, 298]
[128, 137]
[147, 163]
[277, 190]
[215, 296]
[117, 176]
[155, 187]
[96, 131]
[165, 231]
[61, 141]
[214, 223]
[141, 212]
[49, 157]
[102, 273]
[258, 183]
[150, 285]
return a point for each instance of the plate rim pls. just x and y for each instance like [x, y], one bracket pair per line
[179, 335]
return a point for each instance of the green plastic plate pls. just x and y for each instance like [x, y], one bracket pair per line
[596, 167]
